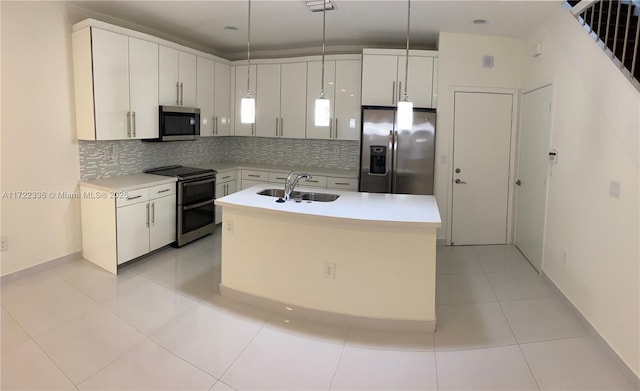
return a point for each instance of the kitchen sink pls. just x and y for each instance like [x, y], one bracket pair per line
[298, 195]
[320, 197]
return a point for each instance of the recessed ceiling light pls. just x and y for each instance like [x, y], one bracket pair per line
[232, 28]
[480, 21]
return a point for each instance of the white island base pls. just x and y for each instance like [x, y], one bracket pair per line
[280, 256]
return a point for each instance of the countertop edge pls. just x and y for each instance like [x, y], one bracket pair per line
[127, 182]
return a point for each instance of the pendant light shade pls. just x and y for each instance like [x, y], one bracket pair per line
[248, 109]
[248, 103]
[322, 114]
[405, 106]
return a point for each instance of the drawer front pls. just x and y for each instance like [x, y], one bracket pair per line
[316, 181]
[247, 183]
[227, 176]
[278, 177]
[252, 175]
[342, 183]
[131, 197]
[162, 190]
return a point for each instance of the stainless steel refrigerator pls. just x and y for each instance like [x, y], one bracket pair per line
[397, 161]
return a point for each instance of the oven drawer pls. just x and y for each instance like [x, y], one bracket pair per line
[252, 175]
[162, 190]
[133, 197]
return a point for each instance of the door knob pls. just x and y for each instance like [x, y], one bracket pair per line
[518, 182]
[459, 181]
[458, 171]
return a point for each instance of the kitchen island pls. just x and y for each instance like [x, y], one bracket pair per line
[366, 260]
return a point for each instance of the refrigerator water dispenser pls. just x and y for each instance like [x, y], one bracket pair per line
[378, 160]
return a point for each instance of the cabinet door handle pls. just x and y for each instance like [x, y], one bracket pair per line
[277, 127]
[393, 93]
[281, 127]
[181, 94]
[342, 183]
[330, 129]
[128, 124]
[336, 132]
[215, 125]
[147, 215]
[253, 176]
[133, 116]
[399, 91]
[177, 93]
[252, 129]
[153, 213]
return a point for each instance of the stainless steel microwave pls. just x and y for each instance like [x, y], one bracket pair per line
[178, 123]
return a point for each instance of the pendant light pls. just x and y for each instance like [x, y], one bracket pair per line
[405, 107]
[248, 103]
[323, 105]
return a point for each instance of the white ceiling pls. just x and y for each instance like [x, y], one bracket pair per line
[287, 27]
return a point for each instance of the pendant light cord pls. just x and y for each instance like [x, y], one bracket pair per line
[324, 10]
[406, 65]
[248, 48]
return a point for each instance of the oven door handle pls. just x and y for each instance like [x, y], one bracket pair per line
[195, 183]
[201, 204]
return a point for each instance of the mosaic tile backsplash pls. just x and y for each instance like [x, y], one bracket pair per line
[100, 159]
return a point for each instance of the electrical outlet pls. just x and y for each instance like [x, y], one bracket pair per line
[614, 189]
[229, 226]
[336, 149]
[330, 271]
[565, 257]
[5, 243]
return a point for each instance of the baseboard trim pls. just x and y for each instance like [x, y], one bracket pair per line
[401, 325]
[613, 356]
[40, 267]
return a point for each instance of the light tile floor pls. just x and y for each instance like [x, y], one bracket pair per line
[161, 324]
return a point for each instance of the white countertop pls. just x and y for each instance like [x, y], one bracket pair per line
[367, 207]
[224, 166]
[128, 182]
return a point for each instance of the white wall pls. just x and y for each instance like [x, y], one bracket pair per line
[460, 65]
[596, 129]
[39, 151]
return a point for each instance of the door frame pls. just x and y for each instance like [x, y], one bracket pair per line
[549, 170]
[512, 154]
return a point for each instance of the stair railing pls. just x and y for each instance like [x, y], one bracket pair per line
[615, 26]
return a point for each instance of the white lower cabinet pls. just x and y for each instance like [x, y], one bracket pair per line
[118, 226]
[147, 225]
[253, 177]
[226, 183]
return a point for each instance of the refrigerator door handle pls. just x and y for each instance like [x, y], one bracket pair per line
[394, 162]
[391, 161]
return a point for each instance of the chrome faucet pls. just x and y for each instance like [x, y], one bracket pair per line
[289, 185]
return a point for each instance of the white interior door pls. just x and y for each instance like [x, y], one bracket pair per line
[535, 133]
[481, 158]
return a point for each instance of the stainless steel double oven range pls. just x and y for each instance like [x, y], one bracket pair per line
[195, 210]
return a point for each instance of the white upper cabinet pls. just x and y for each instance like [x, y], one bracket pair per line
[241, 129]
[222, 99]
[347, 100]
[379, 80]
[342, 87]
[205, 76]
[177, 86]
[268, 100]
[383, 76]
[419, 82]
[314, 87]
[293, 96]
[115, 81]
